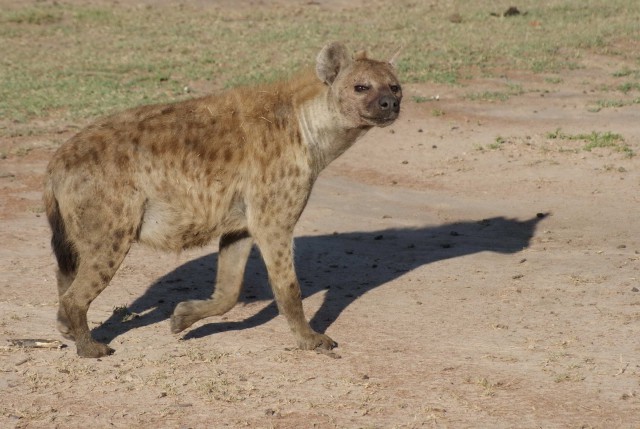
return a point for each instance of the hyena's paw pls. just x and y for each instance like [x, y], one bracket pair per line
[93, 349]
[315, 341]
[183, 316]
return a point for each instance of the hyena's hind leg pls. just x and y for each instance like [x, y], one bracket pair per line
[232, 259]
[96, 268]
[96, 252]
[66, 256]
[64, 281]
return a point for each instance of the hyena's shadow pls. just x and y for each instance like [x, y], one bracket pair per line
[345, 265]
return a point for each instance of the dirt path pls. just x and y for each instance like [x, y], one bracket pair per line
[475, 271]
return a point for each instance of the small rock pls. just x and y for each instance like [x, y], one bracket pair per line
[512, 11]
[405, 162]
[635, 289]
[622, 246]
[455, 18]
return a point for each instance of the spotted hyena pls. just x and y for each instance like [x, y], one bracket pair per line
[237, 165]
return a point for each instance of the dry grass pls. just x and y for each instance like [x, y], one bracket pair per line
[74, 61]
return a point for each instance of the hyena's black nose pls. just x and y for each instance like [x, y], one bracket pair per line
[388, 102]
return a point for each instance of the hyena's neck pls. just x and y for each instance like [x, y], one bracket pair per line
[325, 132]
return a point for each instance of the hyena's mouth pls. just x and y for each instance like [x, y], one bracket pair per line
[381, 121]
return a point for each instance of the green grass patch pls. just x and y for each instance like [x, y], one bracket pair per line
[512, 90]
[626, 73]
[420, 99]
[607, 104]
[488, 96]
[603, 104]
[497, 144]
[595, 140]
[628, 87]
[82, 60]
[554, 80]
[601, 140]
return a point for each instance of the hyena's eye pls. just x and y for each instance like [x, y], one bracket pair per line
[361, 88]
[394, 88]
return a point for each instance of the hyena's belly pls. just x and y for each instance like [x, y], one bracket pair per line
[178, 225]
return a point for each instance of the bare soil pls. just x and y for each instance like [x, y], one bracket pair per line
[469, 284]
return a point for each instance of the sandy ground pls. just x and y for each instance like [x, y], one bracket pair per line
[468, 286]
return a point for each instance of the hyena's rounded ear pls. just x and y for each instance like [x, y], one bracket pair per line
[331, 59]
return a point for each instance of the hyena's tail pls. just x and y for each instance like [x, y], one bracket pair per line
[66, 254]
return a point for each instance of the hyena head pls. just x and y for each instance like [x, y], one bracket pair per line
[367, 92]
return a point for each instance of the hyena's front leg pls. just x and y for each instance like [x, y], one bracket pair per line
[277, 251]
[232, 259]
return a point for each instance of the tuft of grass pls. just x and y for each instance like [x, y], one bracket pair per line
[554, 80]
[600, 140]
[595, 140]
[604, 104]
[628, 87]
[488, 96]
[625, 72]
[39, 209]
[512, 90]
[420, 99]
[497, 144]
